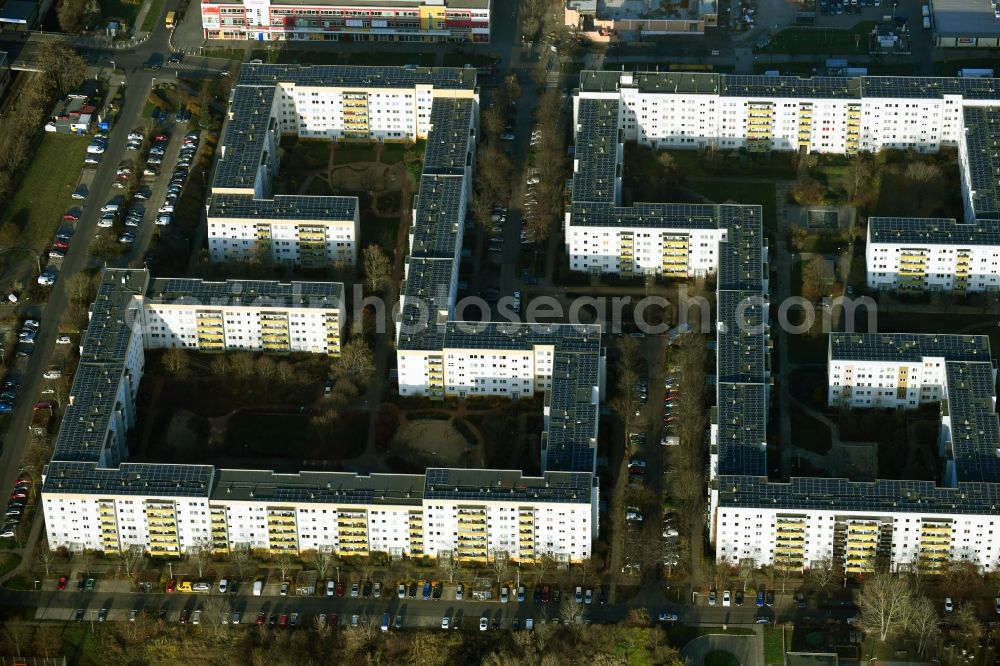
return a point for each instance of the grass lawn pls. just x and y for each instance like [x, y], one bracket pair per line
[806, 348]
[822, 40]
[116, 10]
[153, 16]
[41, 198]
[348, 153]
[290, 435]
[8, 561]
[719, 191]
[392, 153]
[775, 645]
[721, 658]
[808, 433]
[898, 197]
[379, 230]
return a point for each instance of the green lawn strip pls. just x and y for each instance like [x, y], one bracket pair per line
[810, 434]
[153, 15]
[379, 230]
[774, 649]
[228, 54]
[348, 153]
[392, 153]
[8, 561]
[41, 198]
[805, 348]
[722, 191]
[463, 59]
[822, 40]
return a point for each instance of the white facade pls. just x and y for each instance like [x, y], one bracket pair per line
[932, 266]
[855, 540]
[642, 250]
[867, 384]
[470, 530]
[299, 242]
[510, 373]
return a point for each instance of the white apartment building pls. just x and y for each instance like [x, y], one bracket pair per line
[246, 220]
[910, 254]
[467, 514]
[918, 524]
[252, 315]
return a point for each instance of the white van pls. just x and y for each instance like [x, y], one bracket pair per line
[258, 588]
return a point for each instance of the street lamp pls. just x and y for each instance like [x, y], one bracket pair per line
[338, 574]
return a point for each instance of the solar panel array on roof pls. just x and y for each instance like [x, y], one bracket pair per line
[245, 138]
[975, 432]
[648, 215]
[596, 158]
[936, 230]
[509, 486]
[154, 480]
[982, 139]
[259, 293]
[439, 217]
[318, 487]
[909, 347]
[817, 87]
[281, 207]
[326, 76]
[451, 141]
[882, 495]
[742, 436]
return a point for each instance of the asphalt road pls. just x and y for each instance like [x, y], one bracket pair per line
[61, 606]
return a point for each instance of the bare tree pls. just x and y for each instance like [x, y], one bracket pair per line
[177, 363]
[285, 372]
[240, 557]
[924, 623]
[449, 564]
[748, 567]
[242, 364]
[967, 625]
[356, 362]
[571, 611]
[200, 555]
[922, 173]
[885, 603]
[378, 268]
[45, 557]
[822, 572]
[219, 365]
[266, 369]
[322, 560]
[284, 563]
[131, 558]
[543, 564]
[500, 563]
[217, 609]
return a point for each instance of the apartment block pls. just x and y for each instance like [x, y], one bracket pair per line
[468, 514]
[246, 219]
[254, 315]
[375, 21]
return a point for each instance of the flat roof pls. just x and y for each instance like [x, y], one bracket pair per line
[982, 142]
[447, 78]
[255, 293]
[965, 18]
[284, 207]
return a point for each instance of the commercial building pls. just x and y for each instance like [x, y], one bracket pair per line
[965, 23]
[246, 220]
[348, 21]
[244, 314]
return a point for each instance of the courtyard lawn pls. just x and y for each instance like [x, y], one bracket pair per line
[381, 231]
[822, 40]
[808, 433]
[290, 435]
[153, 15]
[775, 645]
[349, 153]
[722, 191]
[41, 198]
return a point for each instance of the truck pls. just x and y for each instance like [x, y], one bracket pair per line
[171, 20]
[305, 583]
[975, 73]
[925, 10]
[258, 587]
